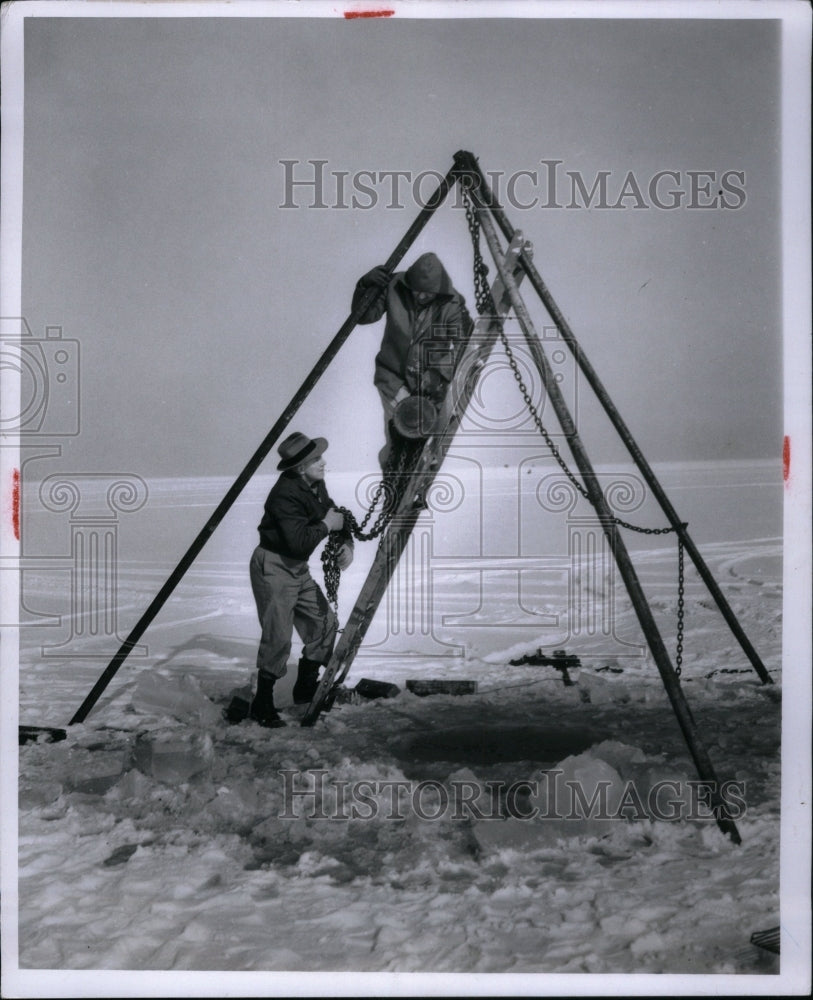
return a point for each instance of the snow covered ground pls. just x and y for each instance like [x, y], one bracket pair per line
[158, 837]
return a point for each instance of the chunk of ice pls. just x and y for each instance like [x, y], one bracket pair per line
[173, 756]
[179, 697]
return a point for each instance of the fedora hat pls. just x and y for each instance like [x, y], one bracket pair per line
[297, 448]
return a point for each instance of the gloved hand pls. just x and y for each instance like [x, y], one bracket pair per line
[334, 519]
[345, 556]
[379, 276]
[433, 385]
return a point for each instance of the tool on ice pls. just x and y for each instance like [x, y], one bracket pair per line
[47, 734]
[560, 660]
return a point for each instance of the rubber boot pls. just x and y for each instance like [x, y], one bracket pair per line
[307, 681]
[262, 706]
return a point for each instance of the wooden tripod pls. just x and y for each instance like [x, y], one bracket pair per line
[513, 265]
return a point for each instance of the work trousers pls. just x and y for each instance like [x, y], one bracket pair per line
[389, 409]
[288, 597]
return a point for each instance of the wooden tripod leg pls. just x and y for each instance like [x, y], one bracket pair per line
[616, 543]
[397, 534]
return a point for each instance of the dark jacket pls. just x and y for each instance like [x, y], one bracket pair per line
[292, 523]
[416, 339]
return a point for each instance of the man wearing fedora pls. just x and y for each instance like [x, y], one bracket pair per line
[298, 515]
[427, 323]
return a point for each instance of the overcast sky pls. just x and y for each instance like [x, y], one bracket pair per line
[153, 232]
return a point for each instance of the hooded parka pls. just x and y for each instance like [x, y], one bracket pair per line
[416, 338]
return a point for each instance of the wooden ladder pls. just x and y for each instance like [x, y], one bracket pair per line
[420, 480]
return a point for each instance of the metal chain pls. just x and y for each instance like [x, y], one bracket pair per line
[482, 292]
[485, 302]
[331, 569]
[486, 306]
[538, 420]
[403, 456]
[557, 454]
[643, 531]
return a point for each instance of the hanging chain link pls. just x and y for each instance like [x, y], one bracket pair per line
[482, 292]
[681, 611]
[332, 570]
[486, 306]
[402, 459]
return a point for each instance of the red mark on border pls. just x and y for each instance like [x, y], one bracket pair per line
[384, 12]
[786, 458]
[15, 503]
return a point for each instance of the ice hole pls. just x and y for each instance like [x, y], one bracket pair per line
[541, 745]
